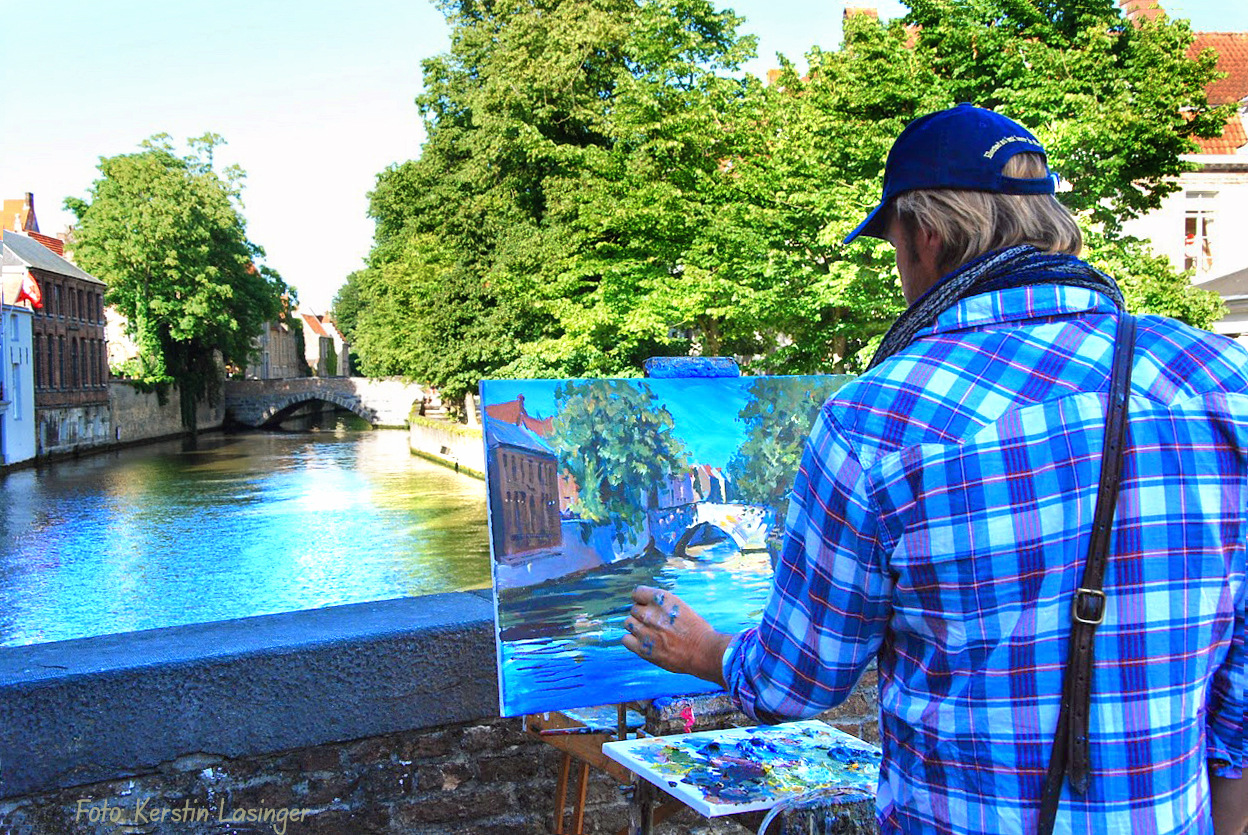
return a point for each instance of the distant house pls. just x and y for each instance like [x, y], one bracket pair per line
[524, 491]
[277, 350]
[1200, 226]
[17, 379]
[68, 344]
[325, 349]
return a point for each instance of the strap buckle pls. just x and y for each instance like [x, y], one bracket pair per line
[1091, 602]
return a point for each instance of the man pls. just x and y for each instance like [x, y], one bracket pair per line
[941, 517]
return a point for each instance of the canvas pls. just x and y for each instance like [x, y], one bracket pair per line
[728, 772]
[597, 486]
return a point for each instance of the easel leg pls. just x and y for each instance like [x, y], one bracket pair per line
[561, 792]
[578, 815]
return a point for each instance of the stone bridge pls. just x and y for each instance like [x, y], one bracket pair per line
[266, 403]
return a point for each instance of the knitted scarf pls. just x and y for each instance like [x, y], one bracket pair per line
[1017, 266]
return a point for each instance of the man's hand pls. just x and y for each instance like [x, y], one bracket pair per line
[663, 630]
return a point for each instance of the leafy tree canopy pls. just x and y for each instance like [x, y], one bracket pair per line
[601, 184]
[166, 233]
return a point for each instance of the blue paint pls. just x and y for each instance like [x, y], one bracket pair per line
[671, 367]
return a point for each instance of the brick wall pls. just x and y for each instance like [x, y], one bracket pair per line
[485, 778]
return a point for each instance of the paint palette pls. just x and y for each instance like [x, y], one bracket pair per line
[750, 769]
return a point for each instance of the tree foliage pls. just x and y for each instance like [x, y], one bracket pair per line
[167, 235]
[617, 443]
[601, 184]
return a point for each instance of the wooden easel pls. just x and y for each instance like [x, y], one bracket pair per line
[647, 806]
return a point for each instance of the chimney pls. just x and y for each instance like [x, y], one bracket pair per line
[854, 11]
[1137, 11]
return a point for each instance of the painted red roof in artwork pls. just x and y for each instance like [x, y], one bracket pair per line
[513, 412]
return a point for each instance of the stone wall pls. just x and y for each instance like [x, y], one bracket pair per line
[448, 443]
[137, 415]
[367, 718]
[485, 778]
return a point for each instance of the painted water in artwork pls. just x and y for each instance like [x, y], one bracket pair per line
[748, 769]
[597, 486]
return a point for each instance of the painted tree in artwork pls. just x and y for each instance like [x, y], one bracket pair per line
[617, 442]
[167, 234]
[778, 420]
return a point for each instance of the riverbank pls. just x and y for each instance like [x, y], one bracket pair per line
[452, 445]
[134, 416]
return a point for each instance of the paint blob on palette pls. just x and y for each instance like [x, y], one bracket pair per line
[749, 769]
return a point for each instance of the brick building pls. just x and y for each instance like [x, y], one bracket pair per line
[70, 352]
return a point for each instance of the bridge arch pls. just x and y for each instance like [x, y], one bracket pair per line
[280, 409]
[706, 533]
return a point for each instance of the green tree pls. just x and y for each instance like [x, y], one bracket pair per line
[167, 234]
[569, 146]
[778, 419]
[600, 185]
[617, 442]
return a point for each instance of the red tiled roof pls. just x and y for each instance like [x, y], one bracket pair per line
[54, 244]
[1232, 49]
[1232, 139]
[314, 324]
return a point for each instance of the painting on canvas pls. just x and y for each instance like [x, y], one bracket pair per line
[597, 486]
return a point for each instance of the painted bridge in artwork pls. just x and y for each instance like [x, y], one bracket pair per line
[683, 531]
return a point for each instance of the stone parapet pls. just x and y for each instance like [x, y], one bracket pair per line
[368, 718]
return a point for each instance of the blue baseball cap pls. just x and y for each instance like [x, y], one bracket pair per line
[964, 147]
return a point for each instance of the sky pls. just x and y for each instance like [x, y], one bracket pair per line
[314, 99]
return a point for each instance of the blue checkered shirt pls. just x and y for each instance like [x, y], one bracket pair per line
[940, 524]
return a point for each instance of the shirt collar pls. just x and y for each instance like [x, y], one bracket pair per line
[1037, 301]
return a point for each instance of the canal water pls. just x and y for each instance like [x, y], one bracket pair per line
[244, 525]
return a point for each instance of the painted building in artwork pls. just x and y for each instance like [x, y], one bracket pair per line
[17, 378]
[524, 491]
[70, 356]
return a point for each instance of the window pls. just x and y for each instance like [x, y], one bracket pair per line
[1198, 228]
[56, 293]
[38, 345]
[60, 362]
[73, 363]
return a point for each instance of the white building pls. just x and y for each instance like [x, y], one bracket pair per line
[1201, 227]
[17, 377]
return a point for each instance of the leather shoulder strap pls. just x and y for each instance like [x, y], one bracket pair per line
[1071, 751]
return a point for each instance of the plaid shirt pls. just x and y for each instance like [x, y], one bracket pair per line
[940, 523]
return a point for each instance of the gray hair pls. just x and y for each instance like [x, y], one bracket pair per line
[970, 223]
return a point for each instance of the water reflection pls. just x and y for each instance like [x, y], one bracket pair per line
[243, 525]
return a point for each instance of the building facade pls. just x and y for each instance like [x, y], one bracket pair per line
[17, 392]
[325, 349]
[69, 351]
[1200, 226]
[277, 352]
